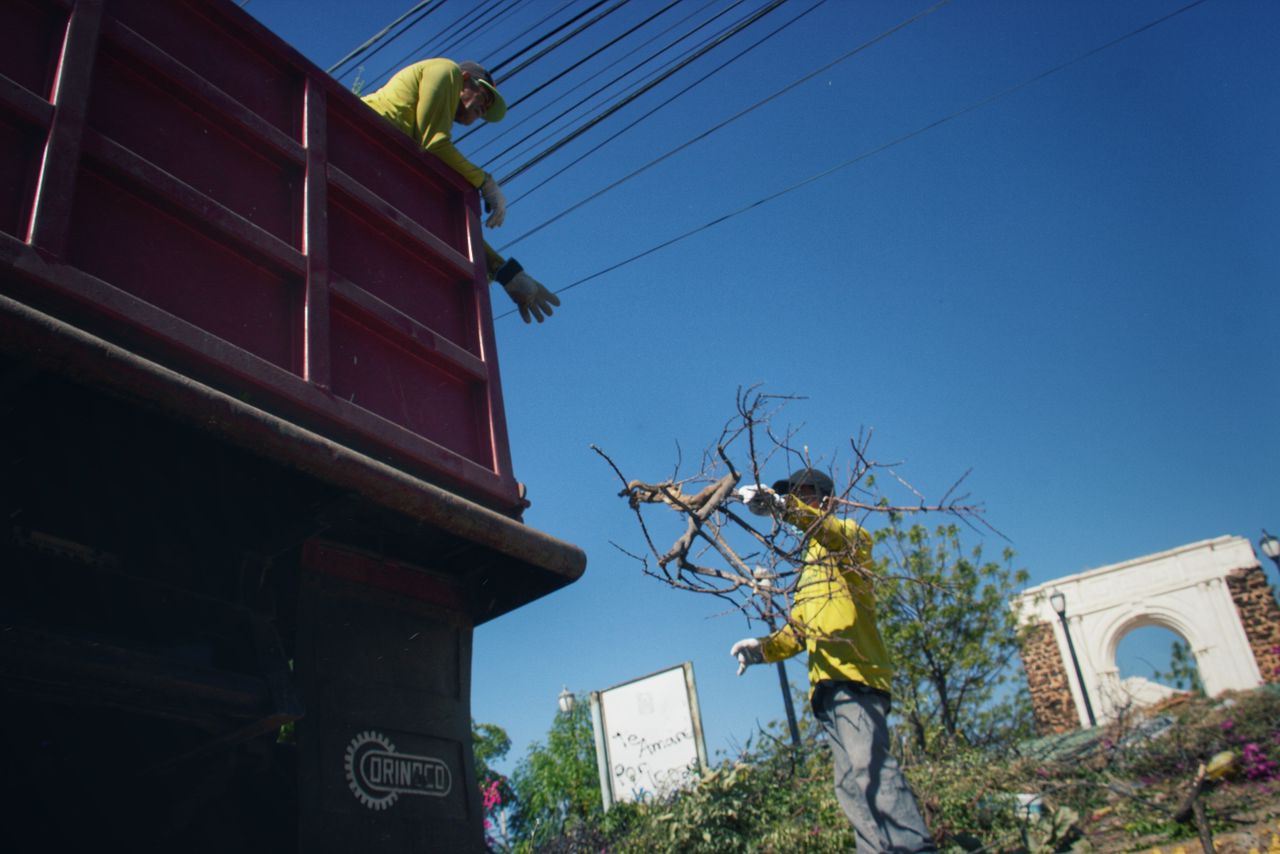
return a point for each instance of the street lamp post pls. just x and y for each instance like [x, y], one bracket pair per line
[566, 701]
[1059, 602]
[1270, 547]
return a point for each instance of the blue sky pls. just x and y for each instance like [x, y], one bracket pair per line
[1072, 290]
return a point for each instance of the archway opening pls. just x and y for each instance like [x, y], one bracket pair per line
[1156, 654]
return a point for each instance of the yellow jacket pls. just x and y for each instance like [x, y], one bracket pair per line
[834, 610]
[421, 100]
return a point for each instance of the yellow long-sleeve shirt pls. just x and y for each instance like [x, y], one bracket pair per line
[833, 615]
[422, 100]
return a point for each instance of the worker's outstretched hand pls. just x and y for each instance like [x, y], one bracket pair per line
[760, 500]
[748, 652]
[531, 297]
[494, 201]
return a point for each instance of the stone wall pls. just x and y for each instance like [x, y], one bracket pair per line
[1260, 616]
[1051, 699]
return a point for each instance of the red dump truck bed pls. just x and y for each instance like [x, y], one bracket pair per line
[177, 180]
[254, 476]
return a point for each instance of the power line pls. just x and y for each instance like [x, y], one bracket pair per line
[544, 37]
[637, 121]
[443, 33]
[525, 31]
[478, 27]
[614, 102]
[602, 88]
[549, 48]
[372, 40]
[976, 105]
[527, 95]
[706, 133]
[570, 137]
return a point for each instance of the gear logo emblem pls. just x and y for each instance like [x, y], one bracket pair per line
[378, 774]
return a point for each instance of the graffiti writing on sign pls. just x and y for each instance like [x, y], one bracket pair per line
[377, 774]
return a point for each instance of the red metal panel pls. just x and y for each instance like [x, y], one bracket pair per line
[402, 384]
[22, 145]
[343, 562]
[215, 201]
[175, 265]
[33, 36]
[379, 259]
[229, 50]
[158, 120]
[392, 170]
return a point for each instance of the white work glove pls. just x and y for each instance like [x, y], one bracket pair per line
[494, 202]
[748, 652]
[760, 500]
[529, 295]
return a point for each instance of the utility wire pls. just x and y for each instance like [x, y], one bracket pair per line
[709, 131]
[603, 87]
[598, 113]
[544, 37]
[479, 26]
[570, 137]
[637, 121]
[378, 36]
[512, 126]
[549, 48]
[976, 105]
[526, 31]
[443, 33]
[527, 95]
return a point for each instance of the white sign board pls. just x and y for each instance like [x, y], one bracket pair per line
[648, 735]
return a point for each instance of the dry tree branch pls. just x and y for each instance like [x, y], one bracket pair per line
[709, 555]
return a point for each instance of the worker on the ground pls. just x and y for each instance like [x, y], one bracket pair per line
[425, 100]
[833, 617]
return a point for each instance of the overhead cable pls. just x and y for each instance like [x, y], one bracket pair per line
[570, 137]
[976, 105]
[706, 133]
[511, 128]
[493, 70]
[634, 90]
[527, 95]
[567, 37]
[484, 61]
[435, 38]
[378, 36]
[641, 118]
[477, 27]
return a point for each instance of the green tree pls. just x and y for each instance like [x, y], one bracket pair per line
[557, 786]
[1183, 672]
[946, 618]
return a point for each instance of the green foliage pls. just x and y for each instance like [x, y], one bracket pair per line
[557, 786]
[953, 637]
[773, 799]
[1183, 672]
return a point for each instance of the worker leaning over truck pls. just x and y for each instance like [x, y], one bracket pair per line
[833, 618]
[425, 100]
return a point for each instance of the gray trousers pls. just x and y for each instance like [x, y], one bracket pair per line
[870, 786]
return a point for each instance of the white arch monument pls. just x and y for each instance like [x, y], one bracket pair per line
[1213, 593]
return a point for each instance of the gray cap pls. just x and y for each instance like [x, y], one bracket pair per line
[810, 477]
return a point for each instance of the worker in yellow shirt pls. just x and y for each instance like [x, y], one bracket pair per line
[425, 100]
[833, 619]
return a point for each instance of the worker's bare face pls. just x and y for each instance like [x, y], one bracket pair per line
[808, 495]
[474, 101]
